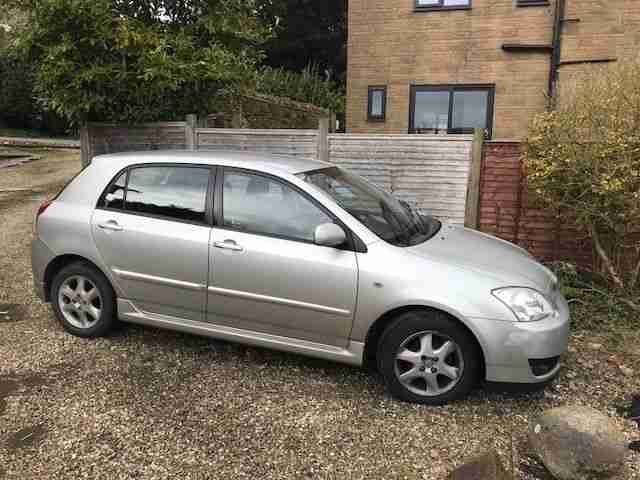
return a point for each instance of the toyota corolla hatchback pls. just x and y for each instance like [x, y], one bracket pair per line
[300, 256]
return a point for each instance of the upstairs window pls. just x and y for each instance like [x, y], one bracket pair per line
[442, 4]
[532, 3]
[377, 104]
[451, 109]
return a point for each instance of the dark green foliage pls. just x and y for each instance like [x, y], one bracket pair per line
[17, 104]
[139, 60]
[307, 32]
[145, 60]
[308, 87]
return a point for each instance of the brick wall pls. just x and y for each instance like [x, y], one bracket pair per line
[508, 211]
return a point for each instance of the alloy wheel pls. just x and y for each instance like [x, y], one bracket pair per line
[80, 302]
[429, 363]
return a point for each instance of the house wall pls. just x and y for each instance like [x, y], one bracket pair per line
[392, 44]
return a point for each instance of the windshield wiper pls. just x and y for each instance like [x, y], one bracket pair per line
[427, 225]
[401, 234]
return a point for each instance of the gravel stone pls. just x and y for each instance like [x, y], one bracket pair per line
[578, 442]
[488, 466]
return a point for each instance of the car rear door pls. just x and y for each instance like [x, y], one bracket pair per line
[266, 274]
[152, 229]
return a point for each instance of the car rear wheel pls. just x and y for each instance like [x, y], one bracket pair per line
[427, 357]
[83, 300]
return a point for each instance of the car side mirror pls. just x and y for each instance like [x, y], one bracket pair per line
[329, 235]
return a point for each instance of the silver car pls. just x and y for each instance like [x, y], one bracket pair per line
[300, 256]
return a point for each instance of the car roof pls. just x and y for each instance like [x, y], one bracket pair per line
[265, 162]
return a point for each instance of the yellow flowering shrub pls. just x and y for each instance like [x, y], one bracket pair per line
[583, 161]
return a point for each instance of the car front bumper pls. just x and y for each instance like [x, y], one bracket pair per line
[513, 349]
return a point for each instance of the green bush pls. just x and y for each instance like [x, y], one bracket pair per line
[17, 102]
[583, 161]
[134, 61]
[307, 86]
[18, 105]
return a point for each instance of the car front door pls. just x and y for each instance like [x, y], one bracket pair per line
[266, 273]
[152, 230]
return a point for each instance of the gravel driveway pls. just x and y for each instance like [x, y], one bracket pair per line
[146, 403]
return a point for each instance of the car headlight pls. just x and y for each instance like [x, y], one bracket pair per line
[527, 304]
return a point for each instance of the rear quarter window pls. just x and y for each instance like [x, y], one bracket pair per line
[113, 196]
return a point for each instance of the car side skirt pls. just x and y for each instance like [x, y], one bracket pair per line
[353, 354]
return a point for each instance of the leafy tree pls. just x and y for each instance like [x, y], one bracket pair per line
[139, 60]
[583, 160]
[307, 32]
[17, 104]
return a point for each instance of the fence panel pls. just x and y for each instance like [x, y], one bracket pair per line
[429, 171]
[296, 143]
[101, 138]
[509, 211]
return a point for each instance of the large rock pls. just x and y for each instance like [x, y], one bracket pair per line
[578, 443]
[484, 467]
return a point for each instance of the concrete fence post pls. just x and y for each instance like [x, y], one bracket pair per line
[472, 211]
[323, 139]
[190, 134]
[332, 123]
[85, 147]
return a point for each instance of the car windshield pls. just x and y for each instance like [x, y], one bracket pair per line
[392, 220]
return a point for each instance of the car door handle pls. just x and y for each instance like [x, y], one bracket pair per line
[228, 245]
[111, 225]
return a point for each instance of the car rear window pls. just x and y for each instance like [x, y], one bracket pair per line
[174, 192]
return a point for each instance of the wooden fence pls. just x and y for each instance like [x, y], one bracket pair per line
[101, 138]
[295, 143]
[428, 171]
[433, 172]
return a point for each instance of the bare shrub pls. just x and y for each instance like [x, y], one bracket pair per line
[583, 161]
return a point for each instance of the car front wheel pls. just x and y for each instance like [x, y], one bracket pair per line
[427, 357]
[83, 300]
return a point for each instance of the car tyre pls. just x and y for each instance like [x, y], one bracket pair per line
[83, 300]
[427, 357]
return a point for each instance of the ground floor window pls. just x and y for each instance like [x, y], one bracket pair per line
[451, 108]
[377, 104]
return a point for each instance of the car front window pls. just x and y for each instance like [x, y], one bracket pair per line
[259, 204]
[390, 219]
